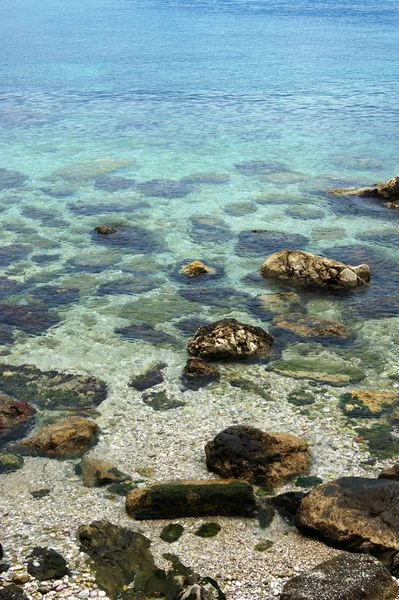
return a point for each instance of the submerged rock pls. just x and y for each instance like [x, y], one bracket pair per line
[207, 229]
[50, 389]
[113, 183]
[171, 533]
[146, 333]
[9, 463]
[191, 499]
[206, 178]
[15, 418]
[13, 253]
[52, 296]
[208, 530]
[153, 376]
[229, 338]
[321, 370]
[309, 269]
[132, 238]
[197, 373]
[262, 458]
[368, 403]
[70, 438]
[266, 306]
[30, 319]
[46, 563]
[91, 169]
[259, 242]
[11, 179]
[356, 514]
[131, 285]
[165, 188]
[346, 576]
[260, 167]
[161, 401]
[12, 592]
[388, 473]
[96, 472]
[215, 296]
[122, 558]
[310, 326]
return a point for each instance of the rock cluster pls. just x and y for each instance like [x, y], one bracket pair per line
[385, 190]
[309, 269]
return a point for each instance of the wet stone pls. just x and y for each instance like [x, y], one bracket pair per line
[46, 563]
[97, 473]
[368, 403]
[10, 462]
[165, 188]
[206, 178]
[42, 493]
[50, 389]
[146, 333]
[162, 401]
[297, 325]
[196, 272]
[208, 530]
[31, 319]
[261, 242]
[121, 488]
[152, 377]
[318, 370]
[287, 505]
[197, 373]
[260, 167]
[15, 418]
[104, 229]
[12, 592]
[171, 533]
[113, 183]
[133, 238]
[11, 179]
[302, 211]
[266, 306]
[308, 481]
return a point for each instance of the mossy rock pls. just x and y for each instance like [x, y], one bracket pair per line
[10, 462]
[171, 533]
[381, 443]
[50, 389]
[317, 370]
[122, 488]
[208, 530]
[42, 493]
[368, 403]
[308, 481]
[264, 545]
[301, 397]
[161, 401]
[192, 499]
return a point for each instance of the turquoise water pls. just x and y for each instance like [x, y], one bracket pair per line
[162, 90]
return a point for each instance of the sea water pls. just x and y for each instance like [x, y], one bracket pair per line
[219, 117]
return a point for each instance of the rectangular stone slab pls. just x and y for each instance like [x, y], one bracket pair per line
[172, 500]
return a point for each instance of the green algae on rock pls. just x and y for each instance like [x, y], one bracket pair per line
[263, 546]
[50, 389]
[161, 401]
[10, 462]
[250, 386]
[318, 370]
[96, 473]
[171, 533]
[192, 499]
[208, 530]
[381, 442]
[301, 397]
[368, 403]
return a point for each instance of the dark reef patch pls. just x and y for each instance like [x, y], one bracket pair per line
[146, 333]
[260, 167]
[31, 319]
[13, 253]
[133, 238]
[262, 243]
[218, 296]
[128, 285]
[11, 179]
[52, 296]
[205, 229]
[164, 188]
[113, 183]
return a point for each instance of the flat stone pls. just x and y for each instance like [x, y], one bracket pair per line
[318, 370]
[153, 376]
[97, 473]
[46, 563]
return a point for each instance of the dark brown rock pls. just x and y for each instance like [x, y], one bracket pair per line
[309, 269]
[191, 499]
[346, 576]
[361, 515]
[309, 326]
[105, 229]
[385, 190]
[230, 339]
[197, 373]
[390, 473]
[262, 458]
[68, 439]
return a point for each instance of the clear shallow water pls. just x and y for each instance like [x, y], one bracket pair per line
[162, 90]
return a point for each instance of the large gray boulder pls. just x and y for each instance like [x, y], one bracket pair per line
[346, 576]
[310, 269]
